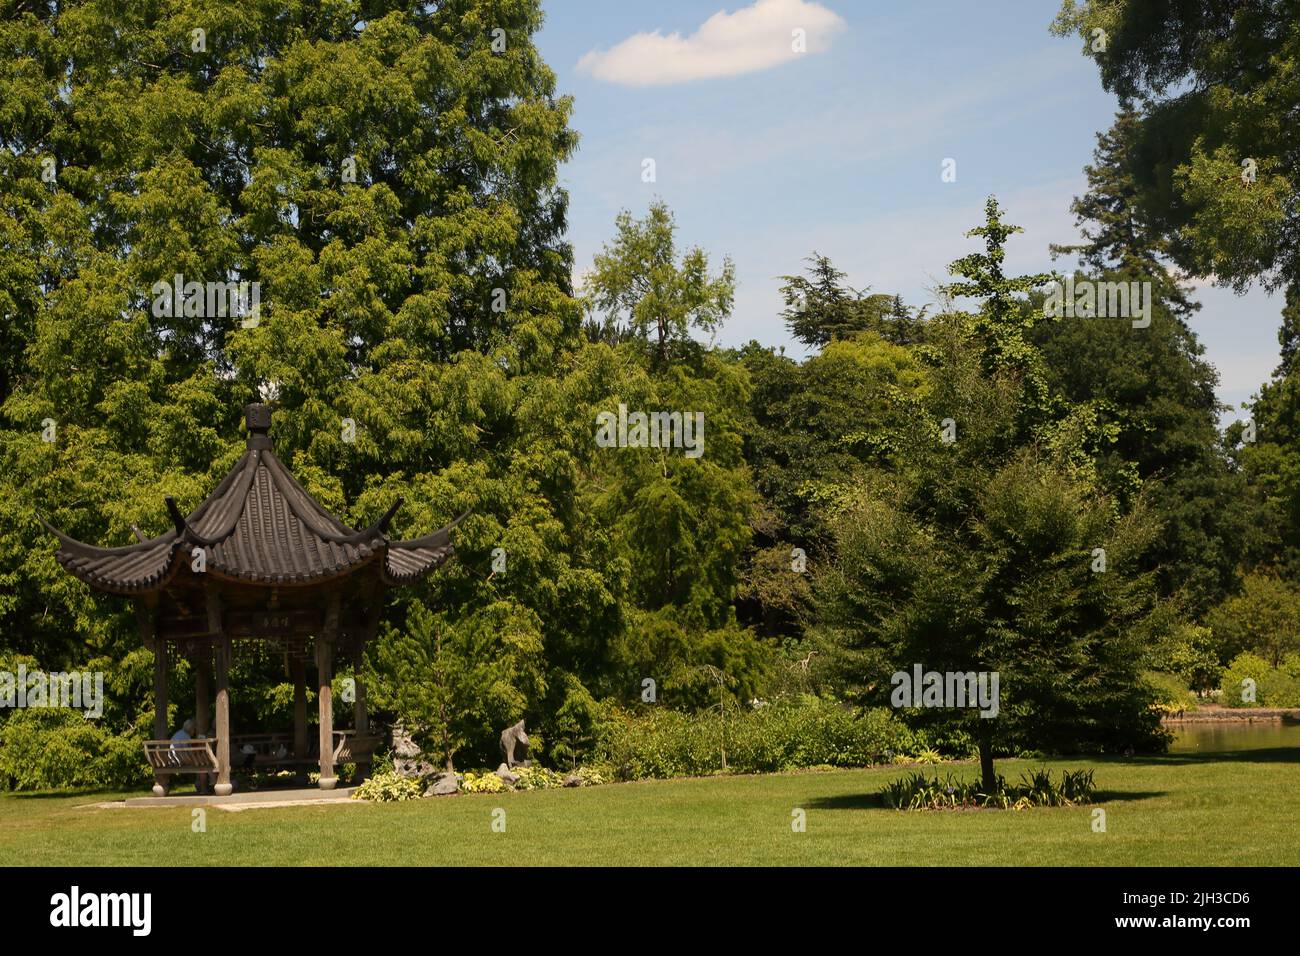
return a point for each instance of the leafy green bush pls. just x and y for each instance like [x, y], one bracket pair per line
[49, 749]
[537, 778]
[1193, 654]
[1264, 619]
[1274, 687]
[1170, 691]
[785, 735]
[953, 742]
[388, 788]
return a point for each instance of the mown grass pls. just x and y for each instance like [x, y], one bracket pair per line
[1234, 808]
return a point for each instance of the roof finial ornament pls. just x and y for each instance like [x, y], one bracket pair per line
[257, 417]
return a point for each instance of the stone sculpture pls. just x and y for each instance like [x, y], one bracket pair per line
[514, 746]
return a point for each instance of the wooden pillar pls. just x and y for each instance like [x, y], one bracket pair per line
[325, 674]
[147, 621]
[201, 658]
[160, 708]
[222, 647]
[160, 691]
[360, 716]
[324, 655]
[373, 613]
[374, 595]
[299, 668]
[202, 661]
[223, 787]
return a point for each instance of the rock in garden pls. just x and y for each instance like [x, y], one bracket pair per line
[504, 773]
[443, 784]
[573, 780]
[407, 759]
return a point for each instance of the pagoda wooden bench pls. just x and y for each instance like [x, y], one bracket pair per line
[276, 749]
[269, 750]
[167, 757]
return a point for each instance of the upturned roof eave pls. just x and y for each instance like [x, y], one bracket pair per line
[330, 549]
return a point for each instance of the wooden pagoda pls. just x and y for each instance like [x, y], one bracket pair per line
[259, 565]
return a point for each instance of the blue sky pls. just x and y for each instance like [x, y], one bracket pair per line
[765, 154]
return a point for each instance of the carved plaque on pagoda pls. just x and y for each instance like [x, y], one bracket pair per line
[268, 623]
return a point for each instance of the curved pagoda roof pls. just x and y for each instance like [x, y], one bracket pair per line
[261, 527]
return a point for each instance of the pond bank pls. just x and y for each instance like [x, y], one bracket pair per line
[1232, 714]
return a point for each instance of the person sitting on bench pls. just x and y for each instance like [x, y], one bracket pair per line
[185, 733]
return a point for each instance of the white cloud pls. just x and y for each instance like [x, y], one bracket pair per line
[727, 44]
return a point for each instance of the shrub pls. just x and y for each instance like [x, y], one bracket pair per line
[537, 778]
[1264, 618]
[49, 749]
[1193, 654]
[788, 734]
[1274, 687]
[388, 788]
[1170, 692]
[954, 742]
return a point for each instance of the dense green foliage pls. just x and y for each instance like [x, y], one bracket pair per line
[388, 176]
[1251, 681]
[982, 555]
[1215, 82]
[787, 735]
[1203, 156]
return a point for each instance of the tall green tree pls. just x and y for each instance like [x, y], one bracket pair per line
[820, 307]
[1119, 236]
[814, 427]
[640, 287]
[1151, 387]
[1268, 453]
[1005, 316]
[378, 169]
[1216, 90]
[1263, 619]
[982, 555]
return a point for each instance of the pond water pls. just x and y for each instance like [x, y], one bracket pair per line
[1221, 736]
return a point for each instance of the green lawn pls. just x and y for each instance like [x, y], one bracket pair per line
[1179, 810]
